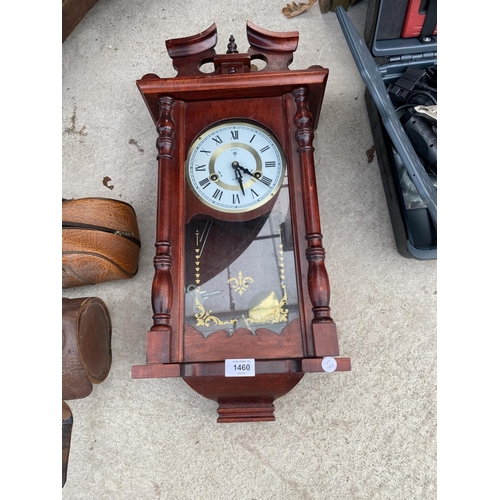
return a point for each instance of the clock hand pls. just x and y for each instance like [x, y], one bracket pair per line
[255, 175]
[236, 168]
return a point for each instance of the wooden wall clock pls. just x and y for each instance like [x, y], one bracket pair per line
[240, 294]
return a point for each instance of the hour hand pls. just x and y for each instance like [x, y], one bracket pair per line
[237, 172]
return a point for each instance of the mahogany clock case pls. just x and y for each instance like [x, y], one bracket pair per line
[286, 104]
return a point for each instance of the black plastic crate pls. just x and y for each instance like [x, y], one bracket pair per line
[401, 45]
[402, 38]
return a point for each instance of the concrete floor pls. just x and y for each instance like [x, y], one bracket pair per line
[365, 434]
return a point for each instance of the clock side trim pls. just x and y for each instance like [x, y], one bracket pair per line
[162, 343]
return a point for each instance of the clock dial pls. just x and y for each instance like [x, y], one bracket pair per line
[235, 167]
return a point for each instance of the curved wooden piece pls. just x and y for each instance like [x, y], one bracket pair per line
[276, 41]
[276, 48]
[189, 53]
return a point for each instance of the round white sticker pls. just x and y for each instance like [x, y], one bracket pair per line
[329, 364]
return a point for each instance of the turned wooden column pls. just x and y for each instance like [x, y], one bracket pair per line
[159, 337]
[324, 330]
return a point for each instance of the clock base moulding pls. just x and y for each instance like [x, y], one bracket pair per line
[194, 106]
[242, 399]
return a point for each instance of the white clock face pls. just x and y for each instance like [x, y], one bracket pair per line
[235, 167]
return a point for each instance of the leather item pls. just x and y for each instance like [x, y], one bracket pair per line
[73, 11]
[100, 241]
[67, 427]
[86, 345]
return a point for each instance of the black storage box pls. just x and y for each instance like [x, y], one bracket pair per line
[402, 38]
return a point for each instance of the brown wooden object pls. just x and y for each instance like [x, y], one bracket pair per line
[286, 103]
[67, 427]
[86, 345]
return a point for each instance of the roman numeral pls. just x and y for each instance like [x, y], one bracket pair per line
[218, 194]
[200, 168]
[254, 194]
[266, 180]
[253, 137]
[234, 134]
[205, 151]
[236, 199]
[270, 164]
[204, 183]
[264, 149]
[217, 139]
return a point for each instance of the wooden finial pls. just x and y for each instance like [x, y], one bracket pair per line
[231, 46]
